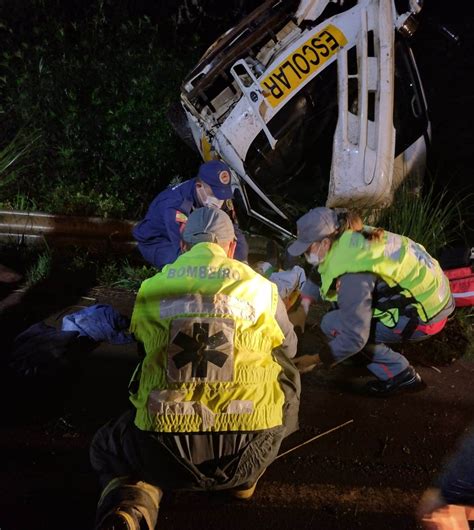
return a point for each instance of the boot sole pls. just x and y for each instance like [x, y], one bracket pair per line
[408, 388]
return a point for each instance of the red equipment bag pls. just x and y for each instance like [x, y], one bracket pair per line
[461, 281]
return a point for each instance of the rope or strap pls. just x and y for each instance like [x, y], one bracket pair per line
[314, 438]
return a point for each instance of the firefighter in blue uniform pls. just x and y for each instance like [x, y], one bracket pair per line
[159, 233]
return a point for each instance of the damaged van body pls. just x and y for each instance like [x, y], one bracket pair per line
[312, 102]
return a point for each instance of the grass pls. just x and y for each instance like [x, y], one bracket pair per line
[125, 275]
[433, 220]
[15, 155]
[39, 270]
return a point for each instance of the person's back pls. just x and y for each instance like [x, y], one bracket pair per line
[156, 234]
[216, 391]
[208, 327]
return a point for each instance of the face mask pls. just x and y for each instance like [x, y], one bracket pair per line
[208, 200]
[213, 202]
[313, 258]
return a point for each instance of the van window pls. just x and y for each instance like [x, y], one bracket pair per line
[410, 115]
[299, 167]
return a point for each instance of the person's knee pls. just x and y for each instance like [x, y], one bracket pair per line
[329, 325]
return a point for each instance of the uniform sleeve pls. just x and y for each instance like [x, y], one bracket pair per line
[242, 248]
[291, 342]
[173, 231]
[310, 290]
[354, 300]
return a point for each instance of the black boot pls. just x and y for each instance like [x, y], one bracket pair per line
[408, 380]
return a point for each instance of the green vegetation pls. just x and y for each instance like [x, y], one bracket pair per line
[432, 219]
[96, 85]
[39, 270]
[125, 275]
[16, 154]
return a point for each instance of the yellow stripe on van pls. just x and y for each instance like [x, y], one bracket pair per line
[301, 64]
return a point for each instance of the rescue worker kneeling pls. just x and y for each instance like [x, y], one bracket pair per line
[387, 288]
[216, 391]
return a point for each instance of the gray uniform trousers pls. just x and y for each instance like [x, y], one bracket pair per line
[133, 460]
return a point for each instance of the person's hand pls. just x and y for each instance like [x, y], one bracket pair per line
[431, 501]
[306, 363]
[306, 303]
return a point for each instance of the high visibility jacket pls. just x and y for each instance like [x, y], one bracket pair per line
[413, 277]
[208, 327]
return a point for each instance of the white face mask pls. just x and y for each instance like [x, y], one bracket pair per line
[209, 201]
[213, 202]
[314, 258]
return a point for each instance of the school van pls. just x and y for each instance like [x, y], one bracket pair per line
[312, 102]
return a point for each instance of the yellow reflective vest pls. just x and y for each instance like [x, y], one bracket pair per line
[404, 265]
[208, 328]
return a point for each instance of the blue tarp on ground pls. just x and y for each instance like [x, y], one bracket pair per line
[100, 322]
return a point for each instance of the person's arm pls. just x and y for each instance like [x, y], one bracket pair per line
[173, 227]
[289, 377]
[242, 248]
[354, 300]
[455, 484]
[310, 293]
[290, 343]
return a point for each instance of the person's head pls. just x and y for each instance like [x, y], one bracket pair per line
[315, 231]
[210, 225]
[320, 227]
[213, 184]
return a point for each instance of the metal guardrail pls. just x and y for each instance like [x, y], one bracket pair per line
[94, 233]
[36, 229]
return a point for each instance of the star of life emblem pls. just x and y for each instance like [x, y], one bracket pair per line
[201, 349]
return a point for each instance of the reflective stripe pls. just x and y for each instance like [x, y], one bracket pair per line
[186, 408]
[240, 406]
[463, 295]
[219, 304]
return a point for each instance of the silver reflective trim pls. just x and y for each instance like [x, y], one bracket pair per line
[167, 408]
[393, 246]
[182, 408]
[158, 396]
[219, 304]
[240, 406]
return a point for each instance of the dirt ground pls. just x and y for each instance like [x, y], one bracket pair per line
[369, 474]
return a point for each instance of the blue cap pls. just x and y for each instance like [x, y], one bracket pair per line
[217, 175]
[313, 227]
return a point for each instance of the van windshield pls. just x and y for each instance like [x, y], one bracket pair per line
[299, 166]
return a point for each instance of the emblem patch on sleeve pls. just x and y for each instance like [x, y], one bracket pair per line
[181, 217]
[201, 349]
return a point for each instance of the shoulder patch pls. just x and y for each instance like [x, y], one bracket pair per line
[181, 217]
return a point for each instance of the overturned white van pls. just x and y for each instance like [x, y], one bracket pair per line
[312, 101]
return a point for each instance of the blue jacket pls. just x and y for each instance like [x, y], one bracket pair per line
[159, 233]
